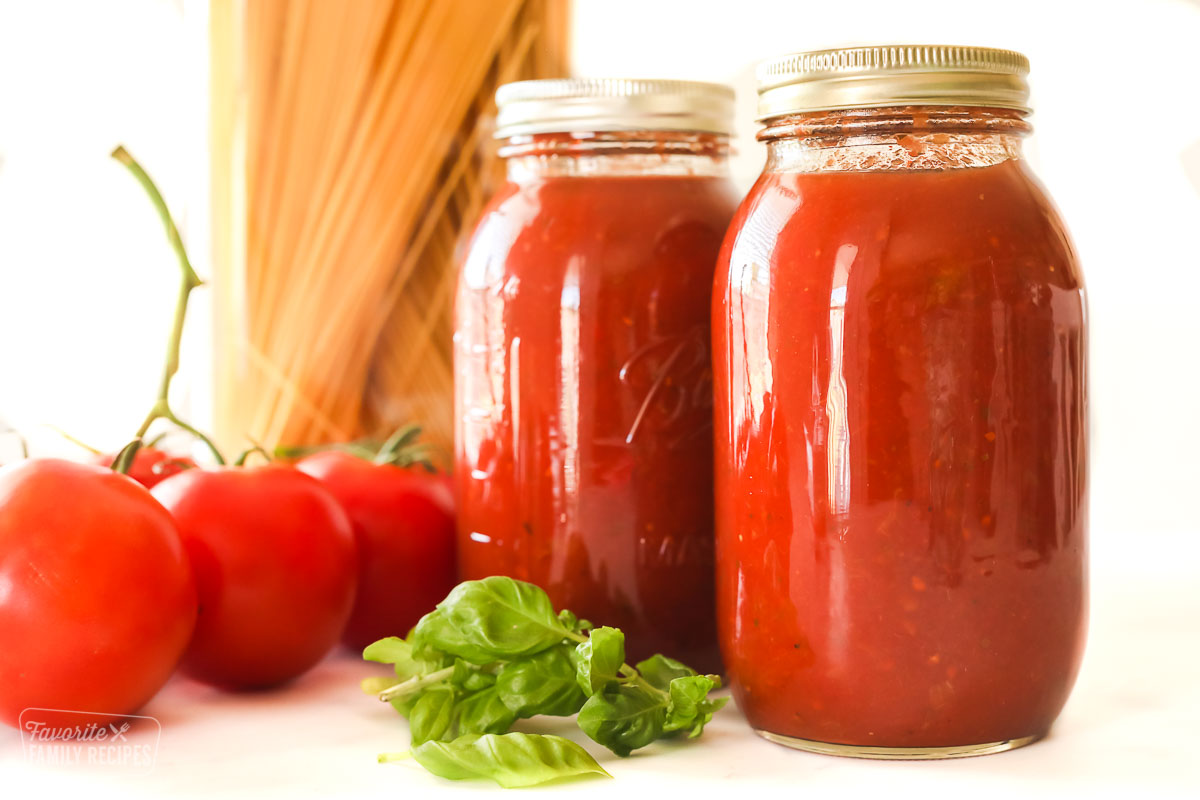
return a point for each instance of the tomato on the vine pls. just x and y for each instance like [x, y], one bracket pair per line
[150, 466]
[97, 602]
[274, 558]
[404, 525]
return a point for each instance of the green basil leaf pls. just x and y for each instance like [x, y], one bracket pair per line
[478, 679]
[572, 622]
[436, 635]
[542, 684]
[659, 671]
[396, 651]
[707, 709]
[432, 715]
[691, 708]
[493, 619]
[484, 712]
[462, 671]
[387, 651]
[404, 705]
[512, 760]
[598, 661]
[624, 719]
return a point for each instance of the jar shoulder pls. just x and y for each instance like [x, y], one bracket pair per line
[991, 220]
[598, 227]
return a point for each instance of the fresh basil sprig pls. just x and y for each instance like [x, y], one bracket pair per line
[495, 651]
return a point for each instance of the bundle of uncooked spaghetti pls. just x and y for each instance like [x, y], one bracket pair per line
[351, 152]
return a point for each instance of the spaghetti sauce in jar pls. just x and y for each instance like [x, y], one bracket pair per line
[583, 375]
[901, 402]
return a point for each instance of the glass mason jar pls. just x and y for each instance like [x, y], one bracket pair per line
[901, 414]
[583, 382]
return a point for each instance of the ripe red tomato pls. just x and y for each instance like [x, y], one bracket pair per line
[97, 602]
[404, 524]
[274, 559]
[150, 466]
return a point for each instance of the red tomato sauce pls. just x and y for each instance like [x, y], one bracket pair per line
[583, 378]
[901, 428]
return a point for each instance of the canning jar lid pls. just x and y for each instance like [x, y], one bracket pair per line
[570, 105]
[892, 75]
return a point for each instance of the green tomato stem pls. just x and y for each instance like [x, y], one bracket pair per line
[212, 447]
[77, 442]
[360, 449]
[257, 448]
[399, 450]
[396, 442]
[189, 281]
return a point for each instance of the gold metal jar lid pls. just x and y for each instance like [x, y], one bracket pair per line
[892, 75]
[612, 104]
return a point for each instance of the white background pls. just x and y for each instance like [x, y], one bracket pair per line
[86, 279]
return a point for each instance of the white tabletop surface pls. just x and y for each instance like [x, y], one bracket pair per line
[1130, 730]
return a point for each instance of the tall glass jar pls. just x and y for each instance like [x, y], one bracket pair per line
[583, 378]
[901, 402]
